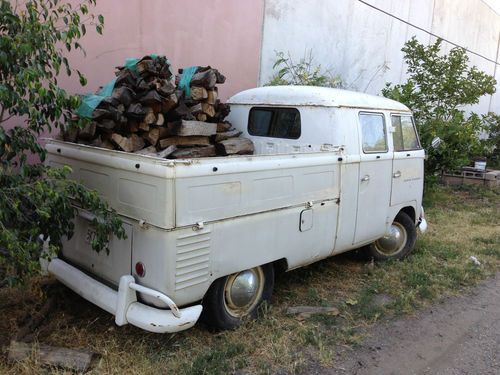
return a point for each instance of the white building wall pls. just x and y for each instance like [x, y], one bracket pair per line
[363, 45]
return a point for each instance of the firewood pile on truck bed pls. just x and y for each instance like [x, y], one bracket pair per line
[145, 111]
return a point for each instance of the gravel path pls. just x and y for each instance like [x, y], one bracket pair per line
[460, 335]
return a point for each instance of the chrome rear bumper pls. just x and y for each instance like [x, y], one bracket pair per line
[123, 303]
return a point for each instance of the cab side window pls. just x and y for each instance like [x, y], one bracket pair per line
[274, 122]
[405, 136]
[373, 132]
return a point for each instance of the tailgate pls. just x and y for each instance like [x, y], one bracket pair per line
[109, 267]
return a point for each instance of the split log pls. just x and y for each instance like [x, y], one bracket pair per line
[107, 144]
[88, 131]
[212, 96]
[156, 134]
[131, 144]
[150, 117]
[132, 126]
[125, 77]
[185, 141]
[135, 110]
[150, 98]
[123, 95]
[195, 109]
[164, 87]
[186, 128]
[219, 137]
[70, 134]
[201, 117]
[100, 113]
[143, 126]
[142, 86]
[206, 79]
[146, 66]
[233, 146]
[72, 359]
[195, 152]
[160, 120]
[219, 76]
[208, 109]
[223, 127]
[169, 103]
[106, 124]
[151, 151]
[199, 93]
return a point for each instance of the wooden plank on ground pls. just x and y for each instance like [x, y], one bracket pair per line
[72, 359]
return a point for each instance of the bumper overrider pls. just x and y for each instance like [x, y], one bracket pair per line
[123, 303]
[422, 223]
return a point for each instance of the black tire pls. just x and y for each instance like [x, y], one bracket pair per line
[217, 311]
[403, 225]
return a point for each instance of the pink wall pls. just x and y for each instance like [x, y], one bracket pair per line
[223, 34]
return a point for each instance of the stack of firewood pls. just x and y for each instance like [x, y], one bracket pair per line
[147, 113]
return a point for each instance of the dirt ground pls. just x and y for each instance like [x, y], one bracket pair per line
[460, 335]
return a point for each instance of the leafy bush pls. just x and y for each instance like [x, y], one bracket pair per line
[304, 72]
[36, 199]
[492, 143]
[438, 88]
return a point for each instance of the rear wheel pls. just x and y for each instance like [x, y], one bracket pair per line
[398, 242]
[233, 298]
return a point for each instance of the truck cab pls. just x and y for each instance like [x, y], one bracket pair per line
[333, 170]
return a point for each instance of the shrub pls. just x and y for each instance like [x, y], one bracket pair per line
[37, 201]
[304, 72]
[438, 87]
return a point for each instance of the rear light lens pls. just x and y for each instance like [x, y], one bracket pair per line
[140, 269]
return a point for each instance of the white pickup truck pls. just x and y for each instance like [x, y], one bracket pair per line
[333, 170]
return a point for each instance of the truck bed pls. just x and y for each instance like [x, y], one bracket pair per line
[178, 193]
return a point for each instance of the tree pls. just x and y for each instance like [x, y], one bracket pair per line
[438, 87]
[37, 201]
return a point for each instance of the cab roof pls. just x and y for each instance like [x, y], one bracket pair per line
[314, 96]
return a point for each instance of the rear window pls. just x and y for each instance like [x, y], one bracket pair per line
[373, 132]
[274, 122]
[405, 136]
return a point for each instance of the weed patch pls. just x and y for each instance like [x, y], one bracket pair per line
[462, 223]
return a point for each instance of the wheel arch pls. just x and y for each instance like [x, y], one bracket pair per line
[410, 211]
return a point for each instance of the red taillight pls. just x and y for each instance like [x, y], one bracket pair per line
[140, 270]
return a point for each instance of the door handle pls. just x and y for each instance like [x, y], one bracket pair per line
[397, 174]
[365, 178]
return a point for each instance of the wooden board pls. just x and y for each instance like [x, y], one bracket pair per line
[186, 128]
[185, 141]
[72, 359]
[195, 152]
[151, 151]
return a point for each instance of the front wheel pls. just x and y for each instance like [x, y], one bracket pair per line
[398, 243]
[232, 298]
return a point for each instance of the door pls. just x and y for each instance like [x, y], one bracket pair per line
[374, 178]
[408, 164]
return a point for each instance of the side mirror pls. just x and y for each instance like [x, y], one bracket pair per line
[436, 141]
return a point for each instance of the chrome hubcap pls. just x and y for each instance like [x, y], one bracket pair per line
[242, 291]
[393, 242]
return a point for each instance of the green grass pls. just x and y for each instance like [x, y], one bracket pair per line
[462, 223]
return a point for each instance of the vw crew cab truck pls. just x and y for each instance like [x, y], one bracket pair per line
[333, 170]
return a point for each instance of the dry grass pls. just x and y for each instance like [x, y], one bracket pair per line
[462, 223]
